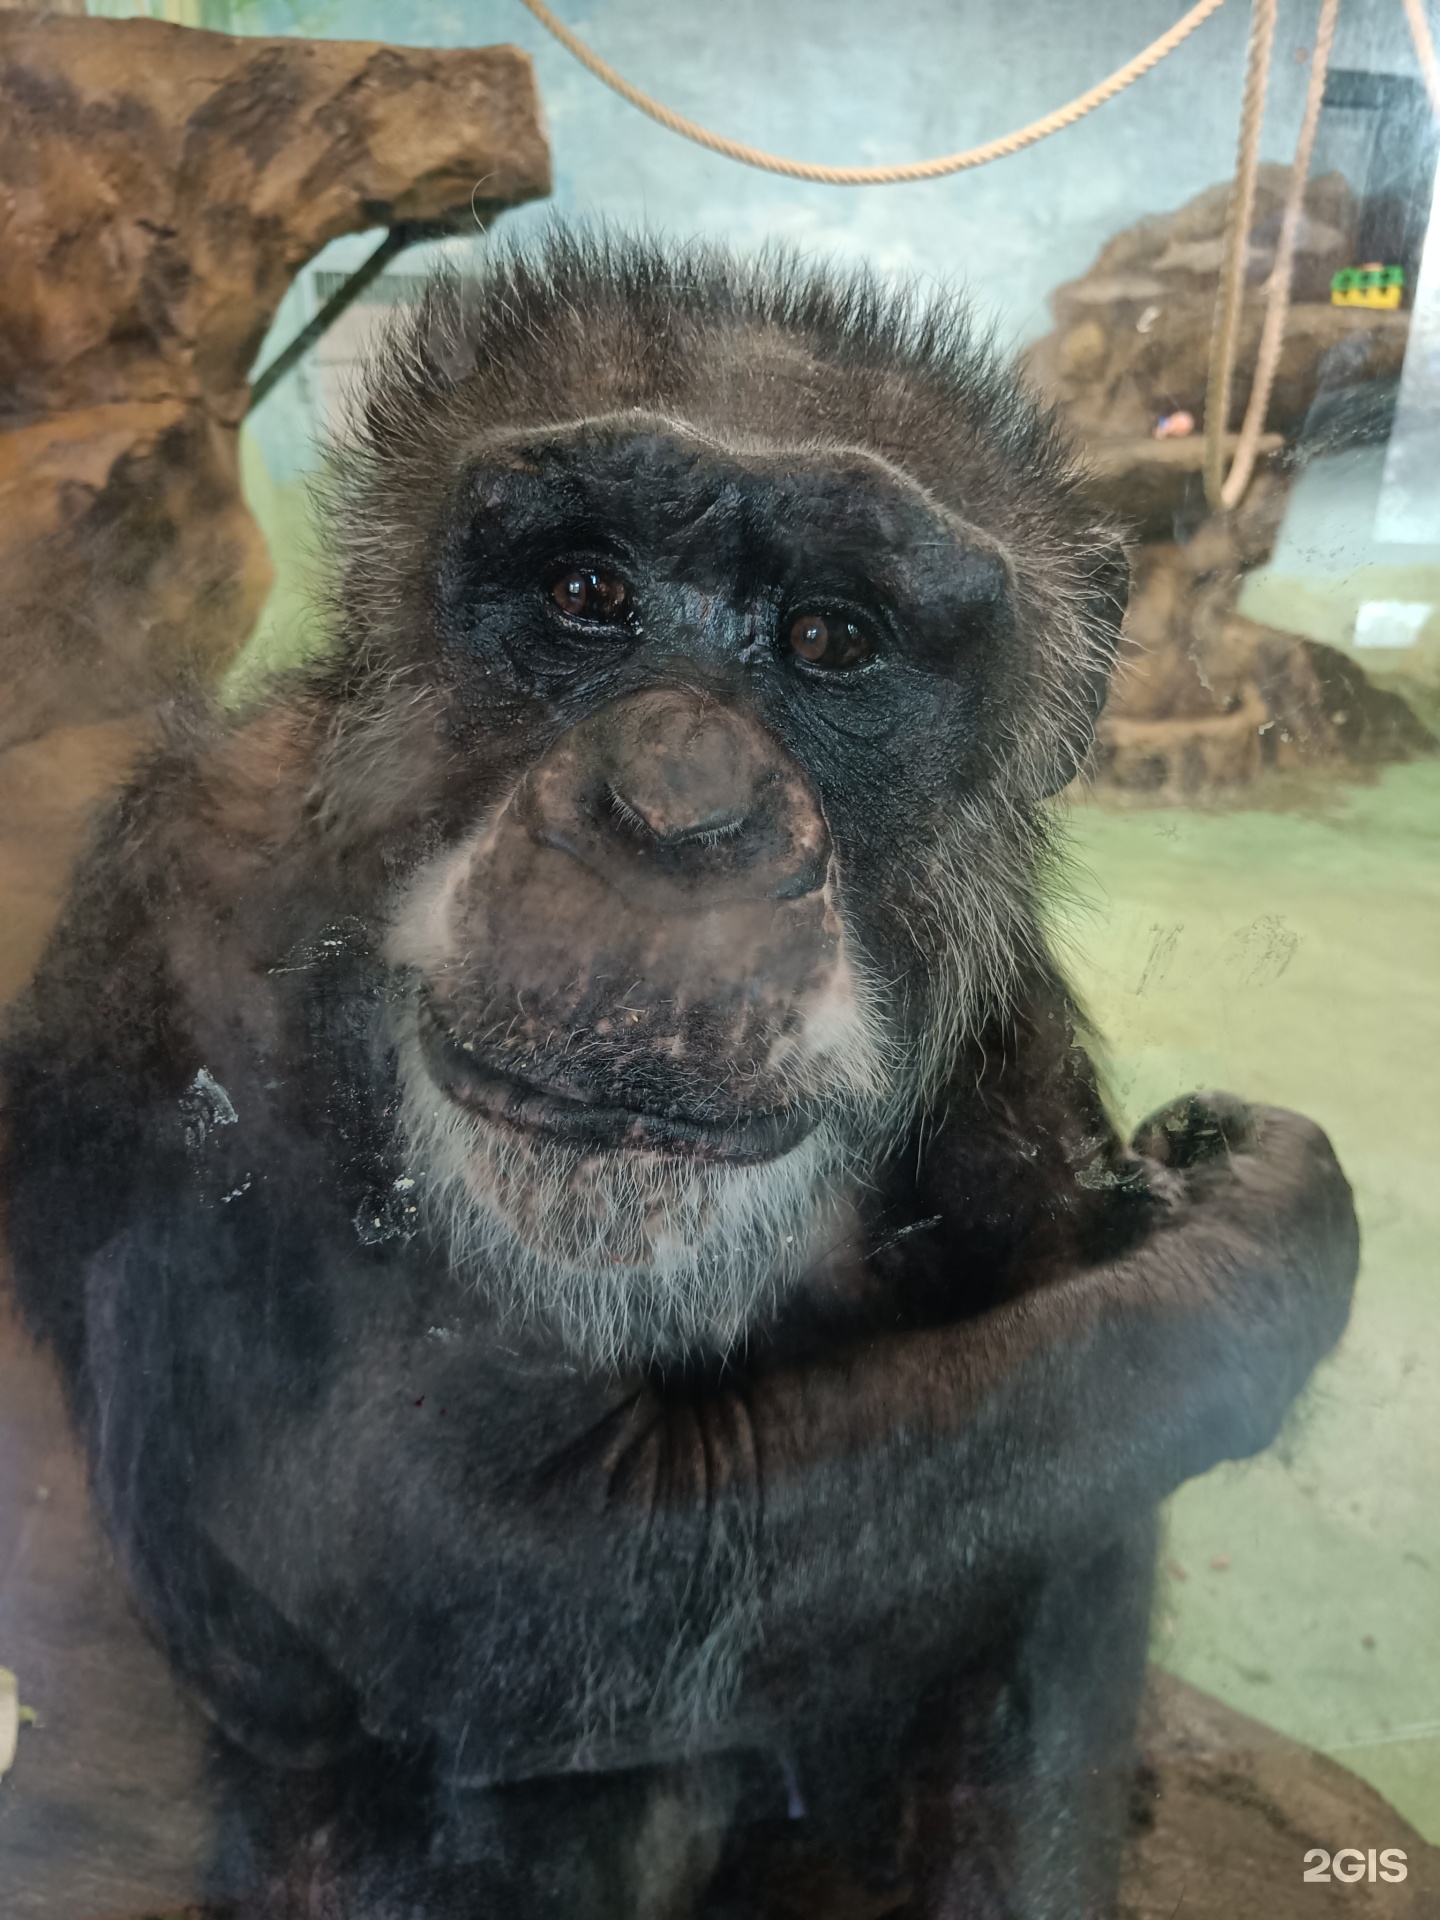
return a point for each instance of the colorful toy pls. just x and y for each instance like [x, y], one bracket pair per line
[1372, 285]
[1174, 426]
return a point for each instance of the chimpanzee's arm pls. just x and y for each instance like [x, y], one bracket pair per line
[1031, 1434]
[538, 1565]
[554, 1570]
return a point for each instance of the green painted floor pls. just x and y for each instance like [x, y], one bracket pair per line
[1294, 957]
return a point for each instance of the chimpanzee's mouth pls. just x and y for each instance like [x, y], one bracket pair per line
[571, 1112]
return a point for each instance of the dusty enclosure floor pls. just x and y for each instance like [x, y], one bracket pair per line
[1289, 955]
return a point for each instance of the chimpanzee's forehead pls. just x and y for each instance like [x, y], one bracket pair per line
[661, 475]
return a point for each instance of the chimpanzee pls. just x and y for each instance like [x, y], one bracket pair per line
[621, 1354]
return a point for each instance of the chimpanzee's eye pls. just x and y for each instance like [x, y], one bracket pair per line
[585, 593]
[830, 640]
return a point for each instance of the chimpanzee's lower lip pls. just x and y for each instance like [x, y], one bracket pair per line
[565, 1114]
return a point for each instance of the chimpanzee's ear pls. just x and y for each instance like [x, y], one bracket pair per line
[1107, 589]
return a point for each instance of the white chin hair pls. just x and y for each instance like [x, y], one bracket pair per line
[625, 1256]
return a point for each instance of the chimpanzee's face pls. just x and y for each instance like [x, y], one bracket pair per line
[659, 1014]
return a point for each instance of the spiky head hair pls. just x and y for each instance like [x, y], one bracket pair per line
[765, 352]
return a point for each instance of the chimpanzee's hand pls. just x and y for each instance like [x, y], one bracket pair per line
[1273, 1220]
[1274, 1168]
[1202, 1126]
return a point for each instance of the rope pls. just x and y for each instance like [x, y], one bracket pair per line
[880, 176]
[1424, 50]
[1277, 303]
[1236, 247]
[1229, 491]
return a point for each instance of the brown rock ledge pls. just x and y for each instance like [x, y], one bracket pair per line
[161, 188]
[1204, 701]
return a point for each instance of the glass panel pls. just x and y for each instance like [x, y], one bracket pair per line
[704, 968]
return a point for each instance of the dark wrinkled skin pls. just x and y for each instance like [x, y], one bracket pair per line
[859, 1608]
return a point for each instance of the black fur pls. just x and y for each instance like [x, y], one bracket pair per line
[853, 1609]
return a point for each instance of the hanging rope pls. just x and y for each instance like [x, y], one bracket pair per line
[878, 176]
[1226, 491]
[1236, 248]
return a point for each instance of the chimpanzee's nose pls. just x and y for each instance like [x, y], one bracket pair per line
[678, 790]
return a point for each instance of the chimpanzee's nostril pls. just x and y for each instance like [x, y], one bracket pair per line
[710, 829]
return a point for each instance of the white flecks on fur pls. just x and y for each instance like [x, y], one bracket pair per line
[205, 1105]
